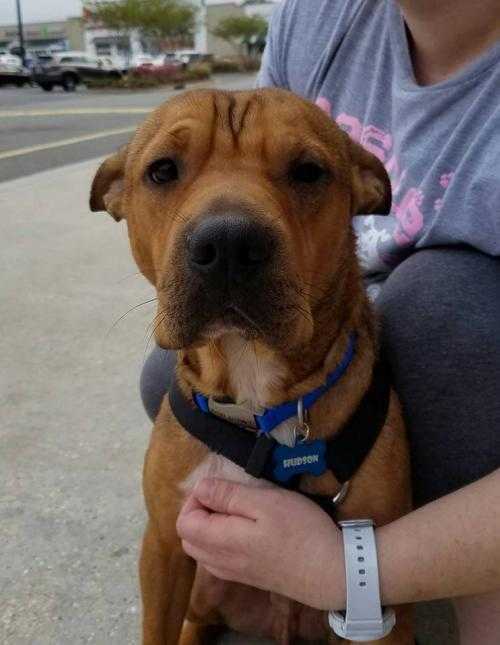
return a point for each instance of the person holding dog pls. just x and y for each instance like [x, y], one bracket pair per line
[418, 84]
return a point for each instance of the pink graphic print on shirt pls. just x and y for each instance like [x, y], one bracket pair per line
[410, 220]
[408, 213]
[325, 105]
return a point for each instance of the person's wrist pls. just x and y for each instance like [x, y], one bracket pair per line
[393, 550]
[333, 589]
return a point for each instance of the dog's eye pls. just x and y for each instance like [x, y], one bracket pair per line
[163, 171]
[307, 172]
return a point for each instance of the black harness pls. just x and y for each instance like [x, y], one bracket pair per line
[255, 453]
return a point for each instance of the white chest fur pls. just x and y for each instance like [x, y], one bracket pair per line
[252, 371]
[219, 467]
[252, 375]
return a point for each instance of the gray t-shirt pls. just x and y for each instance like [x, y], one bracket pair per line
[440, 143]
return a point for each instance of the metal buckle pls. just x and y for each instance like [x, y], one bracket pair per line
[341, 495]
[302, 429]
[240, 414]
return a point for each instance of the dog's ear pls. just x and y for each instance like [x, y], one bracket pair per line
[371, 186]
[107, 188]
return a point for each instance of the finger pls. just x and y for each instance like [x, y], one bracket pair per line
[221, 574]
[197, 553]
[213, 531]
[231, 498]
[204, 557]
[219, 566]
[191, 504]
[192, 519]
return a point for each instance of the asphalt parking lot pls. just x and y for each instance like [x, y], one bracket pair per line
[41, 130]
[72, 429]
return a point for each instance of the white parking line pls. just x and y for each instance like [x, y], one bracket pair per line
[64, 142]
[75, 111]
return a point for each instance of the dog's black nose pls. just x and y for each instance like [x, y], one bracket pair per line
[228, 247]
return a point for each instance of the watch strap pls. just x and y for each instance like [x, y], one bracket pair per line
[364, 619]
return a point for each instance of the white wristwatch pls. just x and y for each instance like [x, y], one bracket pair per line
[364, 618]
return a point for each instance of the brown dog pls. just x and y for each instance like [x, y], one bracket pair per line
[239, 208]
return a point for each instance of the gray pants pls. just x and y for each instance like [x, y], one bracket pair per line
[440, 315]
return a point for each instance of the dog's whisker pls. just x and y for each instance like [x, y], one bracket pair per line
[248, 318]
[157, 321]
[142, 304]
[243, 351]
[257, 362]
[218, 351]
[145, 267]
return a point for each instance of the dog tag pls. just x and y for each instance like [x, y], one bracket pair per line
[305, 458]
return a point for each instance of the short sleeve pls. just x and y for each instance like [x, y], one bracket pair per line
[302, 36]
[271, 72]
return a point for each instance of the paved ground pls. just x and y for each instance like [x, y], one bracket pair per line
[35, 125]
[72, 430]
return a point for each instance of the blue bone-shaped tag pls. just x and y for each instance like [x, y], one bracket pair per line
[304, 458]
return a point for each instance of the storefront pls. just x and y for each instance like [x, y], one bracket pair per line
[45, 37]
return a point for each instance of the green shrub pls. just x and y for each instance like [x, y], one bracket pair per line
[197, 72]
[251, 64]
[140, 80]
[237, 64]
[225, 65]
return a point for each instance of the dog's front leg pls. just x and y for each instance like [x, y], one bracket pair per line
[167, 576]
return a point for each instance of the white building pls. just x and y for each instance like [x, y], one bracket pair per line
[264, 9]
[121, 48]
[213, 11]
[124, 47]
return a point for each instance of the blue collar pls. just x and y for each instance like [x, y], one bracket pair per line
[273, 417]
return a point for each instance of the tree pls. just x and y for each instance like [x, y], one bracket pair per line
[155, 19]
[122, 15]
[249, 31]
[163, 19]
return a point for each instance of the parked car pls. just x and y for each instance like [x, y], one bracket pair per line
[12, 71]
[168, 61]
[70, 69]
[128, 63]
[140, 60]
[187, 57]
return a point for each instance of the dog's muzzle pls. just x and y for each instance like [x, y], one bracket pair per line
[229, 252]
[229, 271]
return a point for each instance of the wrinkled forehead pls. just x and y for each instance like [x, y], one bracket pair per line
[245, 121]
[236, 111]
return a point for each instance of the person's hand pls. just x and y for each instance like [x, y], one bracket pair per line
[267, 538]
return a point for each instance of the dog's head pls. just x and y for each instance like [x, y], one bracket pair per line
[238, 207]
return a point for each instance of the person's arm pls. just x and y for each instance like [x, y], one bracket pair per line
[445, 549]
[282, 542]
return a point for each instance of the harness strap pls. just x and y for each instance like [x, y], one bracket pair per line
[345, 451]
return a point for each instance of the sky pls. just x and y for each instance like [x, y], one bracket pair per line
[40, 10]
